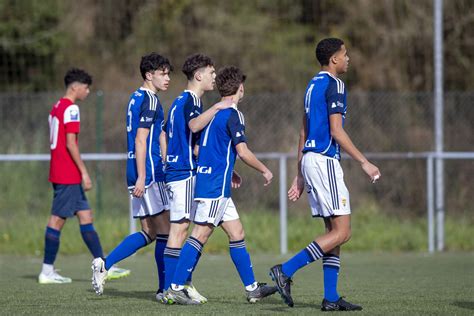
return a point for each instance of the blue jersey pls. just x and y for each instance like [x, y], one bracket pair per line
[325, 95]
[144, 110]
[217, 154]
[180, 158]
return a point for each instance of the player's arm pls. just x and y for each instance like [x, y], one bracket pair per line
[73, 148]
[343, 139]
[198, 123]
[140, 158]
[297, 185]
[147, 119]
[196, 150]
[163, 145]
[250, 160]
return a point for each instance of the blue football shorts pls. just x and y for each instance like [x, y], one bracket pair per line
[68, 200]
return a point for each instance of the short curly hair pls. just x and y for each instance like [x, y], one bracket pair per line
[195, 62]
[326, 48]
[228, 80]
[77, 75]
[152, 62]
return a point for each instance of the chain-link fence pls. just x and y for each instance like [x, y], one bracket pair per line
[377, 122]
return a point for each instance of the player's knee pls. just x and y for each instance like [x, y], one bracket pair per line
[201, 236]
[344, 236]
[56, 222]
[237, 235]
[150, 231]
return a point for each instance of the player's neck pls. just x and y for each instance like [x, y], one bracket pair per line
[149, 86]
[233, 98]
[331, 70]
[70, 96]
[195, 89]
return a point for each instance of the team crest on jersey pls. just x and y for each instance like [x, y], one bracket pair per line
[344, 202]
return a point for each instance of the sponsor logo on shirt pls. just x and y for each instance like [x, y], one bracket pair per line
[130, 155]
[171, 158]
[310, 143]
[204, 169]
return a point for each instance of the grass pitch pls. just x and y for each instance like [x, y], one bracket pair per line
[398, 284]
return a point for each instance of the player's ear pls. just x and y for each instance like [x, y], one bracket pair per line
[198, 75]
[148, 75]
[73, 86]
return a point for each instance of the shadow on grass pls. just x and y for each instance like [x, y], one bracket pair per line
[464, 304]
[140, 295]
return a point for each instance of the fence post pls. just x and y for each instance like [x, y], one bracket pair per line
[430, 203]
[99, 144]
[283, 207]
[439, 111]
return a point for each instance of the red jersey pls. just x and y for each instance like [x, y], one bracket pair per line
[64, 118]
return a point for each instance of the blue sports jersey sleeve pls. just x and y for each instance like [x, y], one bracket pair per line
[147, 112]
[164, 125]
[236, 127]
[192, 109]
[335, 97]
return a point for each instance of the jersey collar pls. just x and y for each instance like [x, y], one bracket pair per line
[326, 73]
[191, 92]
[146, 89]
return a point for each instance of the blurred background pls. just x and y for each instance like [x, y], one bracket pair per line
[390, 83]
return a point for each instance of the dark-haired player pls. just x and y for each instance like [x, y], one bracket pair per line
[145, 177]
[321, 137]
[185, 120]
[220, 143]
[67, 172]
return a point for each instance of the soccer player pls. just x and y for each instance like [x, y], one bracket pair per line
[321, 136]
[221, 141]
[185, 121]
[145, 177]
[67, 172]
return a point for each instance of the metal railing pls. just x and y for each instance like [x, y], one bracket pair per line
[435, 227]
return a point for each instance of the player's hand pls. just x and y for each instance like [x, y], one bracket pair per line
[224, 104]
[86, 182]
[296, 189]
[236, 180]
[268, 175]
[139, 189]
[371, 170]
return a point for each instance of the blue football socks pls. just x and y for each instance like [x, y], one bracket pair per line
[90, 237]
[51, 245]
[127, 248]
[241, 259]
[160, 246]
[171, 257]
[187, 261]
[311, 253]
[331, 265]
